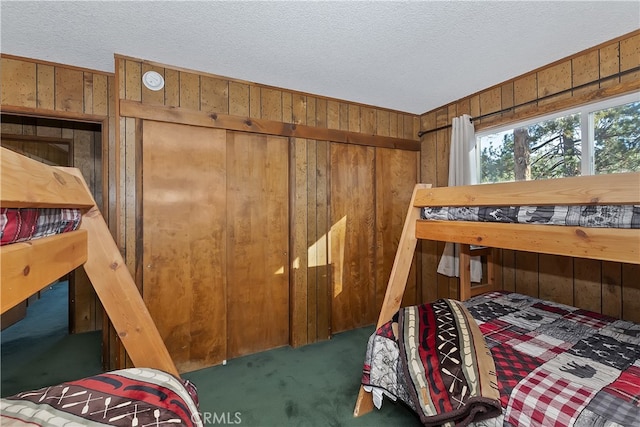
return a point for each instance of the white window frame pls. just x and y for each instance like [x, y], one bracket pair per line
[587, 129]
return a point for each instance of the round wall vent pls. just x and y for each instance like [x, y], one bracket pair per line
[153, 80]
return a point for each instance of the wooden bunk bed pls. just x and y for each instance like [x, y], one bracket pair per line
[609, 244]
[29, 266]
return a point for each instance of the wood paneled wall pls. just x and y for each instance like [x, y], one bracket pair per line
[597, 73]
[55, 100]
[340, 249]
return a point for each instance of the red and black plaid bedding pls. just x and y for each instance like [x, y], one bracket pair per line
[129, 397]
[18, 225]
[557, 365]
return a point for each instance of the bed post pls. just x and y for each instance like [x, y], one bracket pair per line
[119, 294]
[397, 284]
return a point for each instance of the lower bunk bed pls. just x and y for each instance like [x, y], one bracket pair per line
[498, 358]
[127, 397]
[507, 359]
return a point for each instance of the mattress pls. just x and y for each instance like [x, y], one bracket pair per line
[555, 365]
[603, 216]
[128, 397]
[18, 225]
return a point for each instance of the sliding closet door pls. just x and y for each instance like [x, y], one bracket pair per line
[184, 239]
[258, 242]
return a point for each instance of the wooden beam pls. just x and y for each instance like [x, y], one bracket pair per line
[27, 267]
[619, 188]
[608, 244]
[48, 187]
[262, 126]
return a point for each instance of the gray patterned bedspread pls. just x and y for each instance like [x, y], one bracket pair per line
[603, 216]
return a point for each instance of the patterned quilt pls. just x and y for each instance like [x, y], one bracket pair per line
[602, 216]
[128, 397]
[556, 365]
[17, 225]
[445, 369]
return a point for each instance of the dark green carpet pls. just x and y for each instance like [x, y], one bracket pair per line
[315, 385]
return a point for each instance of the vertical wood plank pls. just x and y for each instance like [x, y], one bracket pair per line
[271, 104]
[214, 95]
[612, 289]
[18, 81]
[100, 96]
[189, 90]
[587, 284]
[322, 255]
[312, 239]
[630, 57]
[396, 175]
[133, 80]
[257, 248]
[46, 86]
[609, 63]
[352, 236]
[299, 253]
[631, 292]
[171, 88]
[238, 99]
[185, 269]
[527, 273]
[555, 278]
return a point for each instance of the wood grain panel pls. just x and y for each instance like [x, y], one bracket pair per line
[133, 80]
[18, 80]
[585, 69]
[630, 57]
[396, 175]
[258, 246]
[238, 99]
[46, 86]
[587, 288]
[189, 90]
[352, 237]
[322, 271]
[298, 245]
[609, 62]
[184, 259]
[313, 236]
[527, 273]
[612, 289]
[171, 88]
[555, 278]
[631, 292]
[214, 95]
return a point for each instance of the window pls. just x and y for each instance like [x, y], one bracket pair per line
[597, 138]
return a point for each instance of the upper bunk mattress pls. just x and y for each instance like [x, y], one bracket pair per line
[18, 225]
[602, 216]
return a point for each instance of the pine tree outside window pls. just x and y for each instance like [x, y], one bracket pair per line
[598, 138]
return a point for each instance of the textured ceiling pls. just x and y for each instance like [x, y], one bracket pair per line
[409, 56]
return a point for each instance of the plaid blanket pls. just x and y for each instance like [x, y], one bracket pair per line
[129, 397]
[18, 225]
[441, 366]
[556, 365]
[601, 216]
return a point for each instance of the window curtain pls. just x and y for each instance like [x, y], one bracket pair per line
[462, 171]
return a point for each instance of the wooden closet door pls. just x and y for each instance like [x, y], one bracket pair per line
[258, 243]
[184, 239]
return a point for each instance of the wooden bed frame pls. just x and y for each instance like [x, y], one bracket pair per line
[28, 267]
[609, 244]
